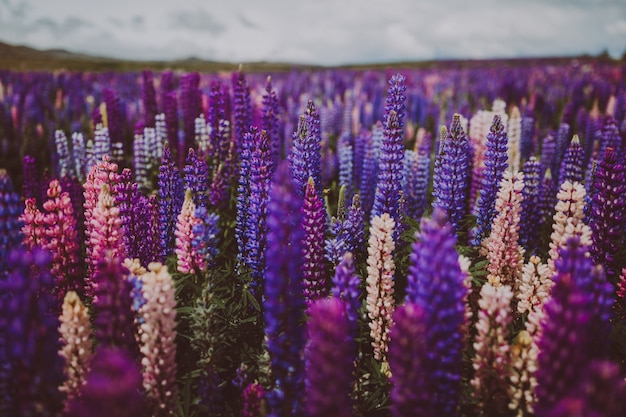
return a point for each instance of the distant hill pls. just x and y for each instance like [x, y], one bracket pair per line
[23, 58]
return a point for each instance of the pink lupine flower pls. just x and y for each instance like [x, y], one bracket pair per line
[157, 338]
[492, 361]
[76, 344]
[380, 283]
[189, 260]
[568, 220]
[33, 229]
[504, 253]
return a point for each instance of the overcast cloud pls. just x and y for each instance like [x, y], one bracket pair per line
[317, 31]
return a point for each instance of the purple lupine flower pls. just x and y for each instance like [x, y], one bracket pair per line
[347, 233]
[610, 138]
[167, 86]
[191, 102]
[562, 136]
[526, 142]
[306, 152]
[10, 223]
[422, 179]
[387, 197]
[409, 181]
[436, 284]
[115, 119]
[345, 155]
[360, 146]
[216, 117]
[412, 392]
[284, 305]
[206, 235]
[136, 213]
[256, 228]
[171, 196]
[531, 216]
[600, 393]
[30, 188]
[329, 360]
[451, 181]
[197, 177]
[74, 188]
[114, 322]
[29, 344]
[572, 163]
[547, 198]
[313, 225]
[576, 317]
[113, 387]
[170, 108]
[148, 98]
[346, 287]
[252, 400]
[79, 155]
[369, 171]
[548, 154]
[246, 146]
[242, 108]
[270, 122]
[64, 163]
[496, 158]
[608, 215]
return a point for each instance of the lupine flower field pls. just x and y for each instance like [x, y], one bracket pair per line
[437, 241]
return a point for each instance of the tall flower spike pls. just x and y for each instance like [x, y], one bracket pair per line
[113, 387]
[451, 183]
[411, 392]
[572, 163]
[495, 166]
[189, 261]
[10, 223]
[29, 346]
[62, 241]
[390, 167]
[314, 226]
[380, 285]
[346, 287]
[526, 139]
[284, 305]
[370, 168]
[306, 152]
[206, 236]
[502, 248]
[191, 101]
[574, 322]
[103, 172]
[514, 133]
[171, 196]
[106, 236]
[260, 173]
[64, 163]
[346, 164]
[608, 215]
[157, 336]
[492, 360]
[76, 345]
[112, 304]
[246, 146]
[436, 285]
[33, 227]
[148, 97]
[197, 177]
[329, 360]
[242, 109]
[270, 122]
[171, 124]
[530, 218]
[568, 220]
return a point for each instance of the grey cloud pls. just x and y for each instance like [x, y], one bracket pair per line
[17, 10]
[247, 22]
[59, 29]
[197, 21]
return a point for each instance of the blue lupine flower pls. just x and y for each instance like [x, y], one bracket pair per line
[242, 109]
[197, 177]
[171, 196]
[527, 146]
[284, 305]
[313, 225]
[305, 155]
[271, 123]
[10, 223]
[346, 287]
[370, 169]
[572, 163]
[30, 343]
[435, 284]
[496, 158]
[531, 216]
[345, 154]
[451, 181]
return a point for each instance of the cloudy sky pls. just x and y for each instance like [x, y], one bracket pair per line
[317, 31]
